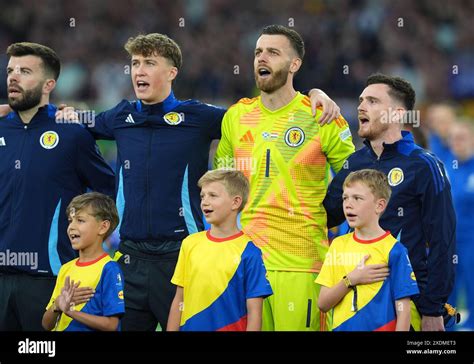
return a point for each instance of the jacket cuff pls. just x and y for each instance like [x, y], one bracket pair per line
[428, 307]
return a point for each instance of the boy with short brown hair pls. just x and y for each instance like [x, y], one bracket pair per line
[92, 218]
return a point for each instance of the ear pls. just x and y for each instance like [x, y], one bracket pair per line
[236, 202]
[49, 86]
[380, 206]
[104, 227]
[173, 72]
[295, 65]
[398, 116]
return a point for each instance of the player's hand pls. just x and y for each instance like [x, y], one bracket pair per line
[5, 109]
[330, 109]
[82, 295]
[64, 300]
[66, 113]
[366, 274]
[431, 323]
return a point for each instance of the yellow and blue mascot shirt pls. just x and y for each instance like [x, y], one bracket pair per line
[103, 275]
[376, 301]
[218, 276]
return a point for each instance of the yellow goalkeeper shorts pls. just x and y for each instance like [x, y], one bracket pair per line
[294, 304]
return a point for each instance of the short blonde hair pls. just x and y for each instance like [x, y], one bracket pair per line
[376, 181]
[235, 183]
[102, 206]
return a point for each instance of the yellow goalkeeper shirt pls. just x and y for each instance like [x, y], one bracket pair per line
[286, 156]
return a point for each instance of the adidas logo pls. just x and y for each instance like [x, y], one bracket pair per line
[2, 142]
[129, 119]
[247, 137]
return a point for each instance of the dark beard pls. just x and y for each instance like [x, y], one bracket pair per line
[29, 99]
[278, 80]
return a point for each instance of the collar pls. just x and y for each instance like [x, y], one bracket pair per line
[282, 109]
[221, 240]
[165, 106]
[406, 143]
[47, 111]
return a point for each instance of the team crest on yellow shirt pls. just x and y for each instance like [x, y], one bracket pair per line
[395, 177]
[49, 139]
[173, 118]
[294, 137]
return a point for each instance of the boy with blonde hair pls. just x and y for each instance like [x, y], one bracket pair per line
[92, 218]
[220, 276]
[373, 297]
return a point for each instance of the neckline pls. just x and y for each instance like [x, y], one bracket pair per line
[220, 240]
[85, 264]
[370, 241]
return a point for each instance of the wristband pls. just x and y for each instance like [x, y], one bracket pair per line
[347, 282]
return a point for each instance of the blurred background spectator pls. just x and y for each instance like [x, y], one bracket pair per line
[461, 172]
[430, 43]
